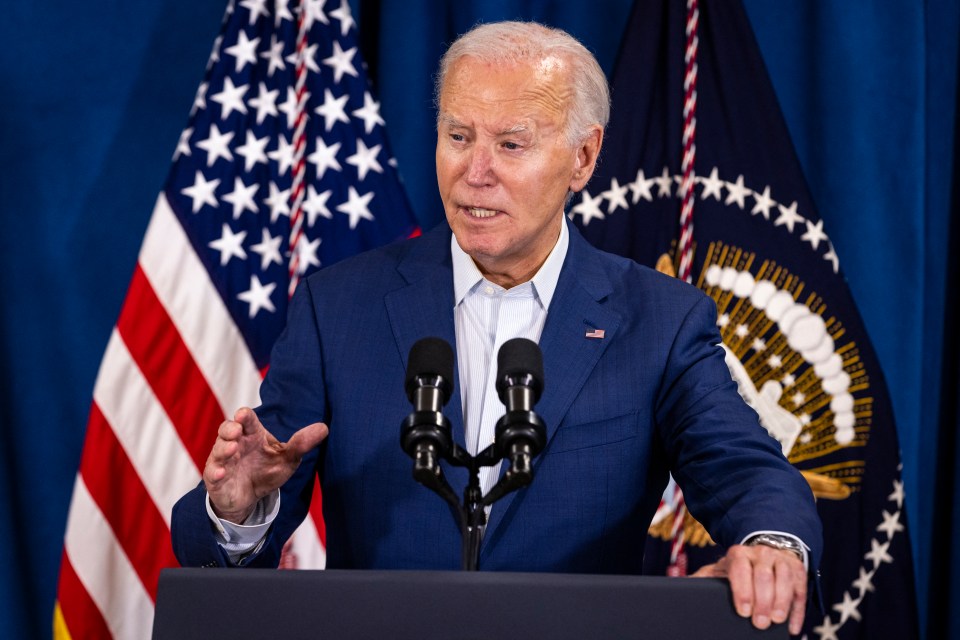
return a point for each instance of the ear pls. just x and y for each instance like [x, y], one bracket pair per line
[586, 160]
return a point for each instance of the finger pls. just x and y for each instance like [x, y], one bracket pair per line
[714, 570]
[226, 444]
[229, 430]
[213, 474]
[224, 448]
[740, 574]
[799, 608]
[784, 586]
[215, 468]
[764, 586]
[306, 439]
[248, 420]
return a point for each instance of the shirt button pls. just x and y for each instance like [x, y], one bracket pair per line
[488, 291]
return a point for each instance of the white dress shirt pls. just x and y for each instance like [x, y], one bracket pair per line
[485, 316]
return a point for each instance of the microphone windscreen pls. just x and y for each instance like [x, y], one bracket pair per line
[430, 357]
[520, 356]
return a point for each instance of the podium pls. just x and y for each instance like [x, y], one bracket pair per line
[245, 604]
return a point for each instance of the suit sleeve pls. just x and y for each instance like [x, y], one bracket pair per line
[734, 476]
[292, 396]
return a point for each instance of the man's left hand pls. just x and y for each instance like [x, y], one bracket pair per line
[768, 585]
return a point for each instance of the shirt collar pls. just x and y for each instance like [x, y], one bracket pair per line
[466, 275]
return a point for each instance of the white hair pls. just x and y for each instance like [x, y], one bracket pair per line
[513, 42]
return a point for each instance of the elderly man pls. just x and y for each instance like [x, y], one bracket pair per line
[636, 384]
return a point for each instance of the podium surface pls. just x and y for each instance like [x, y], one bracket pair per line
[265, 603]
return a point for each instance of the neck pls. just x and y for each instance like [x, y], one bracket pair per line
[511, 275]
[509, 280]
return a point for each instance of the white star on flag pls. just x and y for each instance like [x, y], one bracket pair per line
[356, 207]
[814, 233]
[763, 203]
[788, 216]
[332, 109]
[365, 159]
[202, 192]
[268, 249]
[324, 157]
[278, 201]
[369, 113]
[341, 62]
[343, 14]
[217, 145]
[640, 188]
[242, 197]
[616, 196]
[589, 207]
[737, 193]
[258, 296]
[315, 205]
[230, 244]
[664, 184]
[711, 185]
[244, 51]
[253, 151]
[274, 56]
[265, 103]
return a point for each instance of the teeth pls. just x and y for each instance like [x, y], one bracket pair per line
[476, 212]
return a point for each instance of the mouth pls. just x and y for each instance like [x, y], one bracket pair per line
[478, 212]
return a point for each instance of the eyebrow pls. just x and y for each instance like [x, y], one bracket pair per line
[452, 122]
[517, 128]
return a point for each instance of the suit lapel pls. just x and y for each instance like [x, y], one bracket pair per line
[424, 307]
[569, 355]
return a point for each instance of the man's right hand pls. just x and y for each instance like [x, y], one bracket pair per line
[247, 463]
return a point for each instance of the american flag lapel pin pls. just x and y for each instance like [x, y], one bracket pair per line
[595, 333]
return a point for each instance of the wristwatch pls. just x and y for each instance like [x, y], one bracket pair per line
[777, 542]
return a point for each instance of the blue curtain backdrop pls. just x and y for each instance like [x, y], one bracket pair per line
[93, 97]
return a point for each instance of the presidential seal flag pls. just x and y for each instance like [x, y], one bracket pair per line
[699, 178]
[283, 168]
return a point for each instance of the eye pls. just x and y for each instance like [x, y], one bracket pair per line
[511, 146]
[457, 137]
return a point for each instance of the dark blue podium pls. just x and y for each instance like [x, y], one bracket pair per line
[240, 604]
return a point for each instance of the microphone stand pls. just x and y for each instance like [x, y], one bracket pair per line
[520, 433]
[471, 516]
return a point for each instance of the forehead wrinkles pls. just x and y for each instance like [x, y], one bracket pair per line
[548, 98]
[535, 88]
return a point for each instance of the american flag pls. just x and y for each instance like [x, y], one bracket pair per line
[282, 168]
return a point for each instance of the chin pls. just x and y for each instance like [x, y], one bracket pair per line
[476, 248]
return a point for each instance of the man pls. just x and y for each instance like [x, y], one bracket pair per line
[635, 382]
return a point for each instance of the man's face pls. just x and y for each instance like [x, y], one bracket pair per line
[503, 164]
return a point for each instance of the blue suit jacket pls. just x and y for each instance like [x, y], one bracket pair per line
[652, 395]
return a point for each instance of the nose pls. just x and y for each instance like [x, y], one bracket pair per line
[480, 169]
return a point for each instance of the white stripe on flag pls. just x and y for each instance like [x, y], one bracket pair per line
[143, 428]
[104, 569]
[183, 286]
[306, 545]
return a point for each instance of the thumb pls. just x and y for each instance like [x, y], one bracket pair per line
[307, 438]
[714, 570]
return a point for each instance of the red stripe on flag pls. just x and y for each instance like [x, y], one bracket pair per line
[80, 614]
[116, 487]
[316, 511]
[160, 353]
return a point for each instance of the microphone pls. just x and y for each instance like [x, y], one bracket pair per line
[425, 433]
[520, 433]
